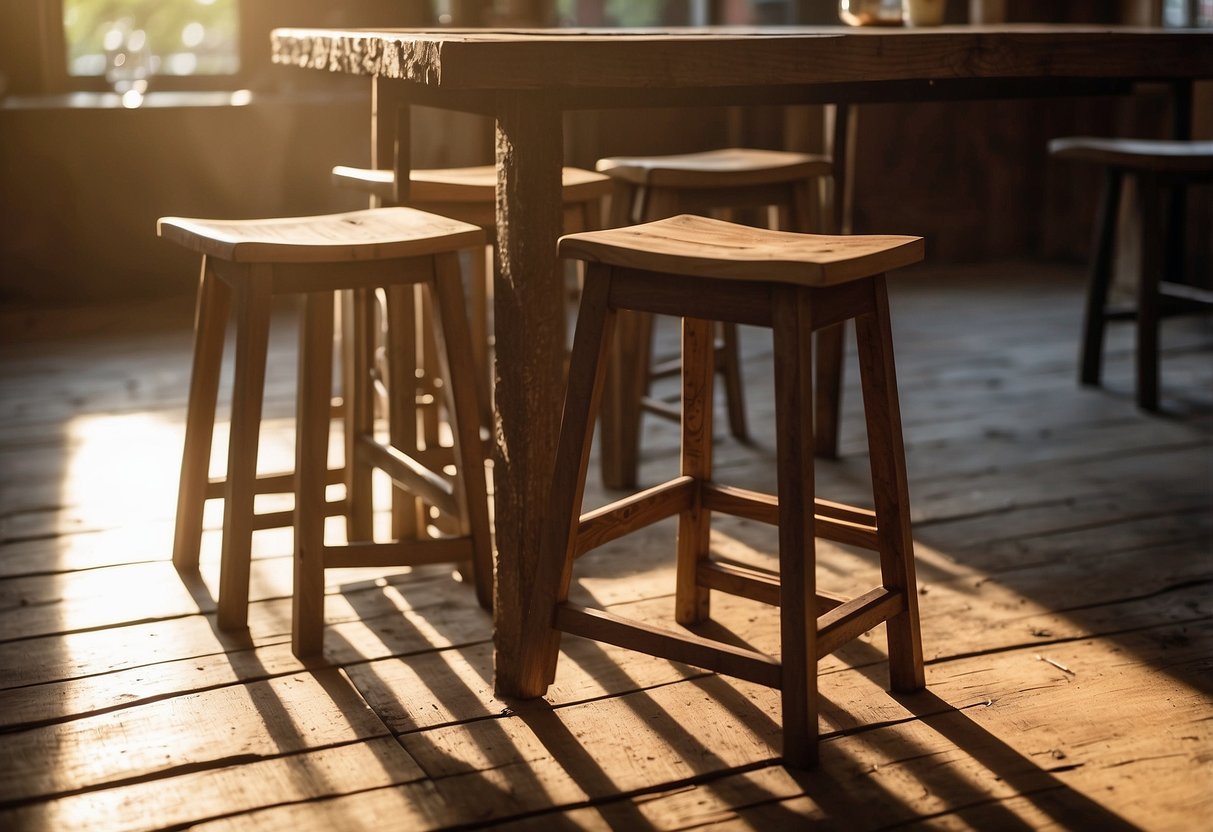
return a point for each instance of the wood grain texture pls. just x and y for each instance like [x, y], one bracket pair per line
[704, 247]
[528, 311]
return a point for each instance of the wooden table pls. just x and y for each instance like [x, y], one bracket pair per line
[526, 79]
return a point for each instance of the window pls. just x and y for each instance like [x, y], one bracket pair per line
[129, 44]
[675, 12]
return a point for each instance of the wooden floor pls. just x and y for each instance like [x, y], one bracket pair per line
[1065, 549]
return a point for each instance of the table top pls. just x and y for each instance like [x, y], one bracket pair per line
[707, 57]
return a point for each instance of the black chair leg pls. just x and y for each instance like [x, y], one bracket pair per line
[1152, 263]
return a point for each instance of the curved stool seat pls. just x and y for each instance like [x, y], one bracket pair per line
[653, 187]
[729, 167]
[704, 270]
[356, 236]
[1158, 168]
[457, 189]
[245, 263]
[1186, 158]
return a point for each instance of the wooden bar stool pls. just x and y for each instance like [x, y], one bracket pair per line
[704, 270]
[653, 187]
[1158, 167]
[247, 262]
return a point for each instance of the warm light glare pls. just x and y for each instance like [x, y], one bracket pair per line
[123, 468]
[113, 39]
[182, 63]
[193, 34]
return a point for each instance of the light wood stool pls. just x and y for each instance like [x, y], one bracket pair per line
[1158, 167]
[250, 261]
[705, 270]
[653, 187]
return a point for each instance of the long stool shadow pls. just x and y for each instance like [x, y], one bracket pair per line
[570, 752]
[290, 738]
[839, 797]
[475, 791]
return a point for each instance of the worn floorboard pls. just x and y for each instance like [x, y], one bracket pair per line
[1065, 565]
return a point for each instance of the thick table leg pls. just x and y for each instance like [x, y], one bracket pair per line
[528, 304]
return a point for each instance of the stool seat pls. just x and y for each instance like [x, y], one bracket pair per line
[724, 168]
[694, 245]
[373, 234]
[1153, 155]
[470, 184]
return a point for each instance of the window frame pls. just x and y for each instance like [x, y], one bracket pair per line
[56, 78]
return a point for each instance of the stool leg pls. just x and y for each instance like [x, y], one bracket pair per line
[311, 464]
[890, 490]
[793, 347]
[407, 510]
[628, 370]
[210, 321]
[454, 357]
[359, 408]
[627, 380]
[691, 601]
[730, 368]
[1100, 280]
[479, 276]
[827, 401]
[252, 333]
[1152, 264]
[428, 349]
[540, 641]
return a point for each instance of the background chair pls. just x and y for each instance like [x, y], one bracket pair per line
[1158, 168]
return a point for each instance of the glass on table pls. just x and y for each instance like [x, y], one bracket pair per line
[870, 12]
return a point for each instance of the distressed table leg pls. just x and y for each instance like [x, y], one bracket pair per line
[528, 306]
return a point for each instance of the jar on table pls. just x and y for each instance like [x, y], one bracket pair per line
[870, 12]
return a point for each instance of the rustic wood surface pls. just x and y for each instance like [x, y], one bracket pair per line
[740, 56]
[1065, 555]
